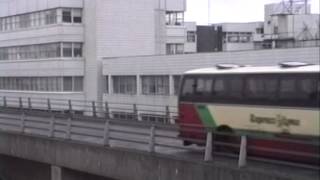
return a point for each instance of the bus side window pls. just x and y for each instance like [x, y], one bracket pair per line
[308, 88]
[188, 87]
[204, 86]
[260, 87]
[288, 90]
[219, 87]
[235, 87]
[308, 91]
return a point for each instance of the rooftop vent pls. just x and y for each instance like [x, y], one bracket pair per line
[293, 64]
[228, 66]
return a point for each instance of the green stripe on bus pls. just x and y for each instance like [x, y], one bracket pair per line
[205, 116]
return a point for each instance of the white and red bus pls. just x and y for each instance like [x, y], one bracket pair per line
[273, 101]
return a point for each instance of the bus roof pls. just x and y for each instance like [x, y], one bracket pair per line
[256, 70]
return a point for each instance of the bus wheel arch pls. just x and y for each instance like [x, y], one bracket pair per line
[224, 129]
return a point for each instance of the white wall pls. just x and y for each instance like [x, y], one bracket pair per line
[176, 34]
[46, 34]
[241, 27]
[125, 28]
[42, 67]
[175, 5]
[229, 46]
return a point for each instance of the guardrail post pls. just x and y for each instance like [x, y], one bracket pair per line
[29, 103]
[23, 119]
[243, 152]
[49, 105]
[106, 135]
[208, 150]
[20, 103]
[94, 110]
[51, 128]
[69, 126]
[135, 112]
[167, 114]
[4, 101]
[106, 109]
[152, 138]
[70, 106]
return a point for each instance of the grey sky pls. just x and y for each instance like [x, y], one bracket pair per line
[231, 10]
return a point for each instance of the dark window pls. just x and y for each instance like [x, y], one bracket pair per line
[77, 16]
[191, 36]
[298, 90]
[66, 16]
[123, 115]
[77, 49]
[124, 84]
[67, 84]
[77, 19]
[261, 88]
[67, 49]
[188, 87]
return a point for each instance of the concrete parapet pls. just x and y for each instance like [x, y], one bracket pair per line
[125, 164]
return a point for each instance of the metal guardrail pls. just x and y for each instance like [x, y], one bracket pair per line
[60, 120]
[138, 112]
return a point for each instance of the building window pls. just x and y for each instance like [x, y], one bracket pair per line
[51, 17]
[41, 51]
[77, 84]
[239, 37]
[77, 49]
[155, 85]
[175, 48]
[260, 30]
[77, 16]
[67, 84]
[191, 36]
[176, 82]
[124, 84]
[174, 18]
[40, 18]
[66, 16]
[67, 49]
[48, 84]
[24, 21]
[154, 117]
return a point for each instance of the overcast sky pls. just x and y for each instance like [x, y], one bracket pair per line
[231, 10]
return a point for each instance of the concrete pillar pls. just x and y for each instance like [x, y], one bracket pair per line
[171, 85]
[56, 173]
[139, 85]
[110, 84]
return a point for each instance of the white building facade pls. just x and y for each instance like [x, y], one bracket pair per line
[241, 36]
[53, 48]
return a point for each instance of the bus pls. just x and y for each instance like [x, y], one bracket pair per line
[273, 101]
